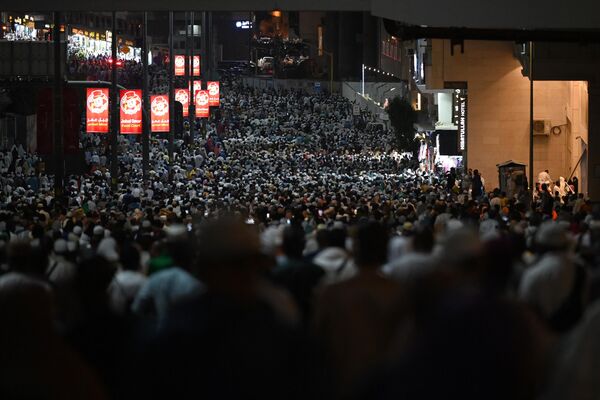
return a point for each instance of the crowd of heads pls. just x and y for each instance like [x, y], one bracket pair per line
[81, 66]
[286, 250]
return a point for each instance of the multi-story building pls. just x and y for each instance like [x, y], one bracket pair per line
[491, 112]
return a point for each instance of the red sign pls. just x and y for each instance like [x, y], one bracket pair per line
[197, 86]
[213, 93]
[179, 65]
[96, 118]
[183, 96]
[159, 113]
[131, 111]
[196, 67]
[202, 108]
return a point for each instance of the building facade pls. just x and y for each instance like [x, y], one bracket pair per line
[496, 114]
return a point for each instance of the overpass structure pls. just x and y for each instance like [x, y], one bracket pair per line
[580, 15]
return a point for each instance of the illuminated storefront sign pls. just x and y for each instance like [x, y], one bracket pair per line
[243, 24]
[459, 116]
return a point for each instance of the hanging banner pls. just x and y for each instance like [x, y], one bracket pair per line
[179, 65]
[213, 93]
[196, 67]
[183, 96]
[131, 111]
[96, 117]
[202, 108]
[197, 86]
[159, 113]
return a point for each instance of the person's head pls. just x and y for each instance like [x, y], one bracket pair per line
[227, 252]
[179, 246]
[130, 257]
[552, 236]
[370, 245]
[27, 259]
[322, 238]
[337, 237]
[423, 240]
[94, 275]
[293, 241]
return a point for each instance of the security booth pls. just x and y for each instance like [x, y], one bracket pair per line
[512, 177]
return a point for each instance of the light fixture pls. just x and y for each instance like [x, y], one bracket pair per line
[276, 13]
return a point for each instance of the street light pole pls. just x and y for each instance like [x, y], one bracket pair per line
[171, 90]
[114, 120]
[146, 101]
[188, 60]
[330, 73]
[59, 163]
[531, 183]
[191, 101]
[363, 80]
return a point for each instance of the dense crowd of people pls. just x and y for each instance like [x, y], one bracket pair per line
[287, 251]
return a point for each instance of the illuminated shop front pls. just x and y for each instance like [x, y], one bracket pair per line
[87, 43]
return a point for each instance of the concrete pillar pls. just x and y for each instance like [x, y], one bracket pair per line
[594, 140]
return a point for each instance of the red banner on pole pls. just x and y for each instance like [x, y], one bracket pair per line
[197, 86]
[96, 117]
[196, 67]
[159, 113]
[131, 111]
[183, 96]
[179, 65]
[202, 108]
[213, 93]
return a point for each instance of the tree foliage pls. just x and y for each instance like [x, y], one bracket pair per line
[403, 117]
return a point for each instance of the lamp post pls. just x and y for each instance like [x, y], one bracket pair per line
[146, 101]
[58, 132]
[363, 81]
[191, 104]
[114, 120]
[531, 184]
[171, 90]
